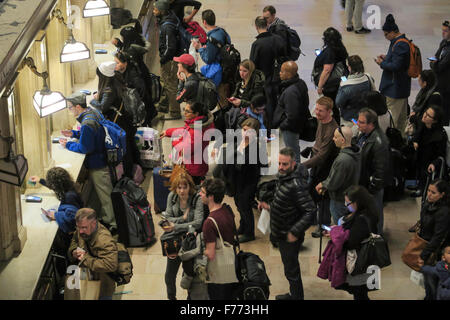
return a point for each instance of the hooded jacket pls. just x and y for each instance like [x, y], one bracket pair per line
[101, 256]
[442, 66]
[168, 37]
[333, 266]
[349, 95]
[188, 139]
[434, 227]
[395, 82]
[292, 208]
[91, 140]
[442, 272]
[344, 172]
[292, 110]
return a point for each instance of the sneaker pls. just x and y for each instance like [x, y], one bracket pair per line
[414, 227]
[363, 31]
[286, 296]
[162, 109]
[412, 188]
[350, 29]
[416, 194]
[246, 238]
[316, 234]
[173, 117]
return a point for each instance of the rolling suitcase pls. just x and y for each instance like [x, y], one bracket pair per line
[133, 215]
[161, 191]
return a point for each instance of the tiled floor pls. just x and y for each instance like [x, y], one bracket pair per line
[421, 20]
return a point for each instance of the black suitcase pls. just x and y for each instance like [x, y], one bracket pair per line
[133, 215]
[253, 280]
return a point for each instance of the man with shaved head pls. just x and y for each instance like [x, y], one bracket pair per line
[344, 172]
[292, 111]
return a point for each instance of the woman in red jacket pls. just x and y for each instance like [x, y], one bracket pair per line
[189, 138]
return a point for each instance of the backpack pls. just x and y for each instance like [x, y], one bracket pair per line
[134, 106]
[230, 58]
[235, 117]
[415, 58]
[124, 271]
[294, 42]
[207, 92]
[115, 139]
[156, 87]
[195, 30]
[184, 37]
[253, 280]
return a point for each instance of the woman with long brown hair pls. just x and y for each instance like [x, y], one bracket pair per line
[251, 84]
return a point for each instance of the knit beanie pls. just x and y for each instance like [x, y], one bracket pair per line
[107, 68]
[162, 5]
[390, 24]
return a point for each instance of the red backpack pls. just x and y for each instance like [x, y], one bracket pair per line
[197, 31]
[415, 58]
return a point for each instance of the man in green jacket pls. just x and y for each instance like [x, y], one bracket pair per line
[344, 172]
[94, 248]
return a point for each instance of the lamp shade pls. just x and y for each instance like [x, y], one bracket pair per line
[47, 102]
[13, 170]
[95, 8]
[74, 51]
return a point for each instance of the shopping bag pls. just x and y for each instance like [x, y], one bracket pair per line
[417, 278]
[81, 286]
[264, 221]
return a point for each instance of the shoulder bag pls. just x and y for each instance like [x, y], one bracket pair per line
[374, 251]
[222, 269]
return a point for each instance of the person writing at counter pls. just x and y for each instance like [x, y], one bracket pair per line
[91, 142]
[60, 181]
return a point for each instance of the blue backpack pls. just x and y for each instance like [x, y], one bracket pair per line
[115, 139]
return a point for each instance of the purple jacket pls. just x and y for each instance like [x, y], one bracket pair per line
[334, 257]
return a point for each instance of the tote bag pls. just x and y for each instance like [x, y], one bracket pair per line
[222, 269]
[89, 289]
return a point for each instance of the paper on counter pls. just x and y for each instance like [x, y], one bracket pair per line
[64, 165]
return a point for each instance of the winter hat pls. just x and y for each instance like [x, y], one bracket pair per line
[77, 98]
[107, 68]
[162, 5]
[390, 24]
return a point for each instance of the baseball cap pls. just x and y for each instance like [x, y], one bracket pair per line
[186, 59]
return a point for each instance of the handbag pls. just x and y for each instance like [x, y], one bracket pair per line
[171, 244]
[374, 251]
[394, 135]
[332, 84]
[414, 248]
[222, 269]
[84, 287]
[309, 130]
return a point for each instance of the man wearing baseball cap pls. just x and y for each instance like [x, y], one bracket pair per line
[188, 79]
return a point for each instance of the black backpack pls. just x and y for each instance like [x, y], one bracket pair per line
[183, 37]
[207, 92]
[230, 58]
[253, 280]
[293, 42]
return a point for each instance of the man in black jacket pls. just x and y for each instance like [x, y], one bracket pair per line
[442, 69]
[375, 155]
[292, 110]
[188, 79]
[177, 6]
[168, 48]
[268, 52]
[292, 212]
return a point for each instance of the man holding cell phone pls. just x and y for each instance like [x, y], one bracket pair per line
[440, 64]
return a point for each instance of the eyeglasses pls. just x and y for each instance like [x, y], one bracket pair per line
[187, 111]
[348, 203]
[446, 24]
[428, 115]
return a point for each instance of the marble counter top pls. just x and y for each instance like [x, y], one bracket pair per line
[20, 276]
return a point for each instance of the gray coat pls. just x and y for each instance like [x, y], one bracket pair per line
[175, 215]
[344, 172]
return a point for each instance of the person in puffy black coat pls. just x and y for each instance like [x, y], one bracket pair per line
[434, 228]
[292, 212]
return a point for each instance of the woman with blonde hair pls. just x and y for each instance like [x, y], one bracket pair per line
[184, 211]
[251, 84]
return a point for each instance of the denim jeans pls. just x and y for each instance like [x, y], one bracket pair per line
[289, 256]
[338, 210]
[292, 140]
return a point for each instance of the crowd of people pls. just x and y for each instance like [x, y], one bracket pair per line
[347, 174]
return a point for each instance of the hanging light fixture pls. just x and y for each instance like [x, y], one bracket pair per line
[72, 50]
[95, 8]
[45, 101]
[13, 168]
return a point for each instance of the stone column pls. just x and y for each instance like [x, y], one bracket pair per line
[12, 233]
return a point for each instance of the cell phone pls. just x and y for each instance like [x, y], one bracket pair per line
[55, 140]
[164, 223]
[101, 51]
[432, 58]
[318, 51]
[344, 78]
[33, 199]
[44, 211]
[325, 227]
[87, 92]
[355, 121]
